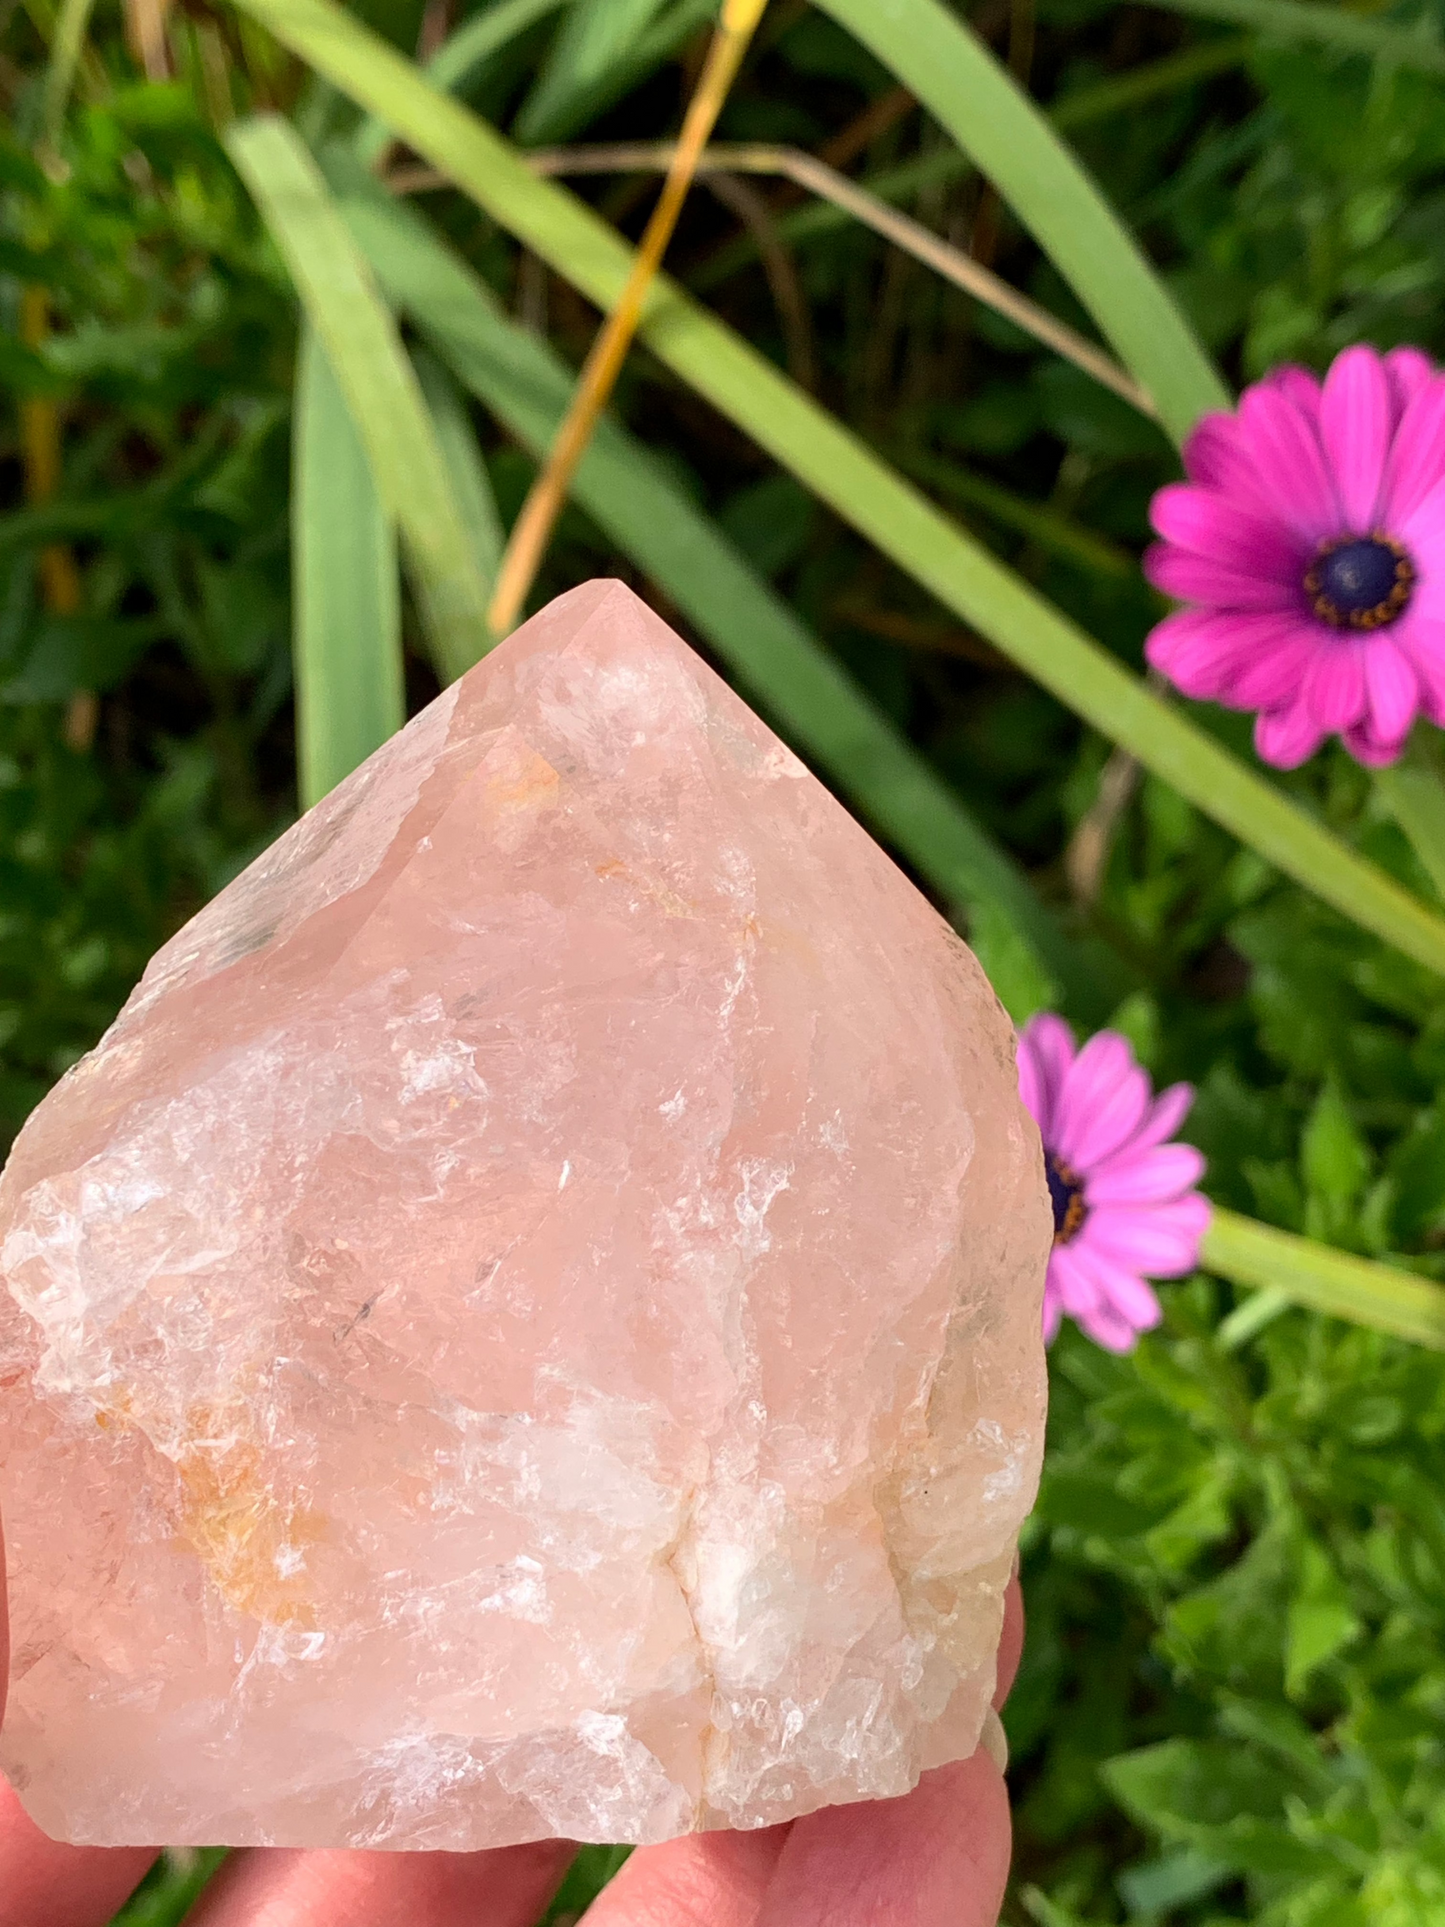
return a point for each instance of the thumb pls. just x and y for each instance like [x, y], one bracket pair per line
[4, 1631]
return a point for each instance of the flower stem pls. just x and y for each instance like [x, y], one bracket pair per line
[529, 538]
[1334, 1282]
[1415, 796]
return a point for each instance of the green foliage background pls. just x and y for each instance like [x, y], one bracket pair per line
[1233, 1700]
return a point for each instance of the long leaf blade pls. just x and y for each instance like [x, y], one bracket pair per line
[347, 606]
[816, 702]
[1334, 1282]
[989, 115]
[1327, 27]
[470, 483]
[377, 380]
[818, 449]
[65, 50]
[463, 53]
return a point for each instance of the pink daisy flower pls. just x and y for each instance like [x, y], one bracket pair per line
[1310, 540]
[1123, 1198]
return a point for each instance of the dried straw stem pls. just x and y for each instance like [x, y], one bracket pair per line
[532, 532]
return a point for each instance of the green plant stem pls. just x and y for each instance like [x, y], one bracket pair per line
[1104, 98]
[1412, 791]
[903, 182]
[822, 453]
[990, 116]
[346, 605]
[1325, 26]
[1334, 1282]
[811, 697]
[65, 49]
[461, 54]
[1045, 526]
[378, 381]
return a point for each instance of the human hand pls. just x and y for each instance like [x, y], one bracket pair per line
[936, 1858]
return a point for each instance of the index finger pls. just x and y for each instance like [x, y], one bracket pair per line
[40, 1880]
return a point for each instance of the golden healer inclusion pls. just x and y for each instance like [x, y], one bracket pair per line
[528, 1323]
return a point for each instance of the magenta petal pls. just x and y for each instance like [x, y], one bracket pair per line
[1194, 578]
[1333, 689]
[1392, 691]
[1166, 1114]
[1161, 1240]
[1427, 552]
[1103, 1102]
[1122, 1290]
[1045, 1052]
[1053, 1312]
[1123, 1304]
[1287, 737]
[1212, 454]
[1421, 528]
[1424, 639]
[1408, 370]
[1273, 674]
[1110, 1330]
[1355, 426]
[1373, 751]
[1245, 658]
[1205, 523]
[1136, 1302]
[1417, 456]
[1075, 1289]
[1301, 385]
[1145, 1177]
[1203, 652]
[1216, 458]
[1291, 462]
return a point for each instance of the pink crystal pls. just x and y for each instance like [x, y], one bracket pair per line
[529, 1322]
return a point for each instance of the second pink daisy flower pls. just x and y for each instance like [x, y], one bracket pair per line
[1125, 1207]
[1310, 540]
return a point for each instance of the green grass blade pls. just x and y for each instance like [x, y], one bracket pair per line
[989, 115]
[1335, 1282]
[1327, 27]
[378, 382]
[814, 701]
[1045, 526]
[823, 454]
[471, 484]
[65, 46]
[1096, 101]
[1126, 92]
[603, 48]
[172, 1887]
[1413, 792]
[346, 598]
[595, 37]
[462, 54]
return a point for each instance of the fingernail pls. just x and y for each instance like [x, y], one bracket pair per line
[994, 1740]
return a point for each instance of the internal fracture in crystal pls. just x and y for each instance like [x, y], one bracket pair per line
[529, 1322]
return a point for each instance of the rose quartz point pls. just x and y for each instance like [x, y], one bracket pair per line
[529, 1322]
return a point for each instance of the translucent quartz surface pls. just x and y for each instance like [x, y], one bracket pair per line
[529, 1321]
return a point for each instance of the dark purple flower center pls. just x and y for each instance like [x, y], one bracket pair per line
[1066, 1195]
[1360, 581]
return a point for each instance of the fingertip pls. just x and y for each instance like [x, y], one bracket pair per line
[938, 1857]
[43, 1880]
[1011, 1641]
[4, 1629]
[700, 1880]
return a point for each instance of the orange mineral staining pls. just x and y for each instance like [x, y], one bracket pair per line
[529, 1322]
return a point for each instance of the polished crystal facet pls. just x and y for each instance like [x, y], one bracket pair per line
[528, 1323]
